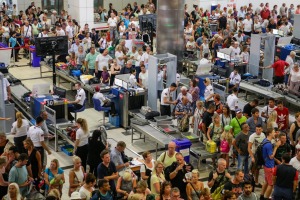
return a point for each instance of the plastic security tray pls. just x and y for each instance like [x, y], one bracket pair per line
[167, 129]
[163, 118]
[192, 137]
[140, 122]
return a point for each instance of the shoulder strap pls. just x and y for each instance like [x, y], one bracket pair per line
[163, 160]
[75, 174]
[197, 193]
[223, 120]
[238, 122]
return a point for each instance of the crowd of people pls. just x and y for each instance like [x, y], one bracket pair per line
[257, 140]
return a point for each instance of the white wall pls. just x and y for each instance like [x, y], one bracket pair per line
[206, 4]
[120, 4]
[82, 11]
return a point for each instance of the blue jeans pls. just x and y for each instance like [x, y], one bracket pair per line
[113, 33]
[243, 161]
[282, 193]
[286, 78]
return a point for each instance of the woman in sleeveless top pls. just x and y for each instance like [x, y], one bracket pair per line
[3, 177]
[115, 70]
[294, 129]
[197, 117]
[204, 48]
[165, 192]
[76, 176]
[225, 116]
[194, 187]
[125, 185]
[157, 178]
[218, 103]
[147, 168]
[34, 158]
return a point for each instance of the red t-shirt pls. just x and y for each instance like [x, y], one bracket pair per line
[265, 14]
[279, 66]
[282, 116]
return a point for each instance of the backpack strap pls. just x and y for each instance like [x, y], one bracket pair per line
[163, 160]
[238, 122]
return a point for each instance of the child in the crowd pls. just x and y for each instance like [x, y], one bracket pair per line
[105, 77]
[226, 141]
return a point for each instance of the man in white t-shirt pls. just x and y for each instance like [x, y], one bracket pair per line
[254, 141]
[166, 100]
[234, 79]
[235, 51]
[6, 90]
[248, 25]
[289, 59]
[70, 30]
[145, 56]
[233, 101]
[295, 162]
[102, 60]
[268, 109]
[112, 24]
[79, 101]
[59, 30]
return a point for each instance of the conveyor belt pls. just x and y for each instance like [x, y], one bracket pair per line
[18, 91]
[261, 91]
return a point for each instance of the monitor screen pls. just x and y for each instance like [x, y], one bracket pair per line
[227, 57]
[275, 31]
[118, 82]
[220, 55]
[125, 85]
[41, 89]
[60, 92]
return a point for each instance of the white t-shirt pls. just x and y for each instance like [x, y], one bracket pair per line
[235, 79]
[85, 194]
[27, 31]
[296, 164]
[295, 76]
[100, 96]
[112, 22]
[22, 131]
[36, 134]
[132, 80]
[145, 58]
[289, 60]
[5, 85]
[256, 140]
[117, 55]
[267, 110]
[247, 25]
[144, 78]
[190, 46]
[208, 91]
[60, 32]
[232, 101]
[102, 43]
[204, 61]
[235, 52]
[80, 96]
[103, 61]
[143, 168]
[165, 93]
[82, 137]
[70, 31]
[245, 57]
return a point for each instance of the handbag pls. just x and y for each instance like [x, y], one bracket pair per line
[73, 189]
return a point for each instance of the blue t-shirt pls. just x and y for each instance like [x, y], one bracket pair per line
[267, 151]
[12, 41]
[51, 175]
[19, 175]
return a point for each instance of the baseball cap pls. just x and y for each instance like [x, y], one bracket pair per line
[227, 128]
[75, 195]
[238, 110]
[97, 88]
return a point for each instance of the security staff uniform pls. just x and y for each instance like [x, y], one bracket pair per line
[72, 107]
[165, 108]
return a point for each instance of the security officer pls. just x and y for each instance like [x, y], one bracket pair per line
[166, 100]
[36, 134]
[6, 90]
[208, 92]
[79, 101]
[234, 80]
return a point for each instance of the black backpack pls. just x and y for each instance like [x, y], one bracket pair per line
[259, 153]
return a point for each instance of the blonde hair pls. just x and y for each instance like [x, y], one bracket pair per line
[199, 103]
[157, 163]
[56, 162]
[54, 192]
[127, 176]
[227, 135]
[272, 118]
[18, 195]
[19, 117]
[3, 160]
[196, 171]
[135, 197]
[76, 158]
[82, 122]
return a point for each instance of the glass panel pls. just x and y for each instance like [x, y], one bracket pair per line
[53, 5]
[100, 14]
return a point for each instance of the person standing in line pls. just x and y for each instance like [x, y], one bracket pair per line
[247, 192]
[285, 179]
[254, 120]
[233, 101]
[19, 130]
[169, 156]
[268, 109]
[81, 142]
[268, 155]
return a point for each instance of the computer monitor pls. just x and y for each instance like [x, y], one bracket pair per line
[125, 85]
[41, 89]
[220, 55]
[60, 92]
[227, 57]
[275, 31]
[118, 82]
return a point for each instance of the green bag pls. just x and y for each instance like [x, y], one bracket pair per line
[217, 194]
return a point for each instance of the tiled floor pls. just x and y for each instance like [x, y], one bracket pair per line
[92, 116]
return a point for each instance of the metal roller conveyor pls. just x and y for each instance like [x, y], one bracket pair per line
[17, 92]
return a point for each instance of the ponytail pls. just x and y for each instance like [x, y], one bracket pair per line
[83, 124]
[19, 117]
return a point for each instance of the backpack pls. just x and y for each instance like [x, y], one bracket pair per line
[217, 194]
[259, 153]
[152, 114]
[184, 124]
[224, 146]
